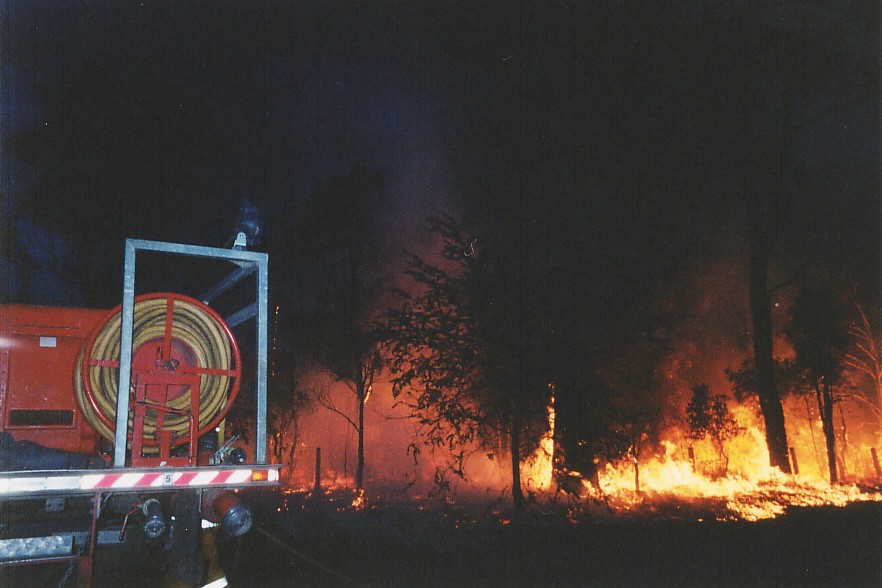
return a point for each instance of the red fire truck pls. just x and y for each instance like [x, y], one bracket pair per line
[113, 423]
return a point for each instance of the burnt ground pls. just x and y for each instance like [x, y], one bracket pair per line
[400, 544]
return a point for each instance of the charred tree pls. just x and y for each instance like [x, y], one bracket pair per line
[824, 395]
[764, 362]
[761, 185]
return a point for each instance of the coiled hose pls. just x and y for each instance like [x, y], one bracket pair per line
[197, 342]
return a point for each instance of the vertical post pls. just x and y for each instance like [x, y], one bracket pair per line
[318, 470]
[793, 463]
[692, 457]
[876, 462]
[125, 358]
[262, 342]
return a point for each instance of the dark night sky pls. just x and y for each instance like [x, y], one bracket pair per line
[617, 115]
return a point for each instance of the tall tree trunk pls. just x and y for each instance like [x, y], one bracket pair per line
[359, 473]
[825, 405]
[760, 172]
[516, 493]
[761, 315]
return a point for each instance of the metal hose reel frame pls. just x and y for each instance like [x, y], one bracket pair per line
[247, 264]
[175, 325]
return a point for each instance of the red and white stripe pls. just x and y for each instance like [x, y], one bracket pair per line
[155, 479]
[32, 484]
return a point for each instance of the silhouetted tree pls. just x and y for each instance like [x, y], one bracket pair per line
[457, 360]
[793, 66]
[708, 417]
[819, 335]
[340, 238]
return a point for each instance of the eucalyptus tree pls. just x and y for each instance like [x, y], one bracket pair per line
[459, 355]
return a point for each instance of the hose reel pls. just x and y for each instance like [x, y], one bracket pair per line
[175, 340]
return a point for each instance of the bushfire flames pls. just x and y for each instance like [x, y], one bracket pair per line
[745, 488]
[538, 470]
[677, 476]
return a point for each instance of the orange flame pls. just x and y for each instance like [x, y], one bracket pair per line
[358, 501]
[748, 488]
[538, 470]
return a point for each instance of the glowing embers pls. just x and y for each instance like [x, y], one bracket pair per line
[358, 501]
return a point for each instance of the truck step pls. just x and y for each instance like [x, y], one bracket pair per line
[26, 548]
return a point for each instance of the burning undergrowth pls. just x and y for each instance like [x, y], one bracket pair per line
[674, 513]
[731, 498]
[679, 478]
[671, 491]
